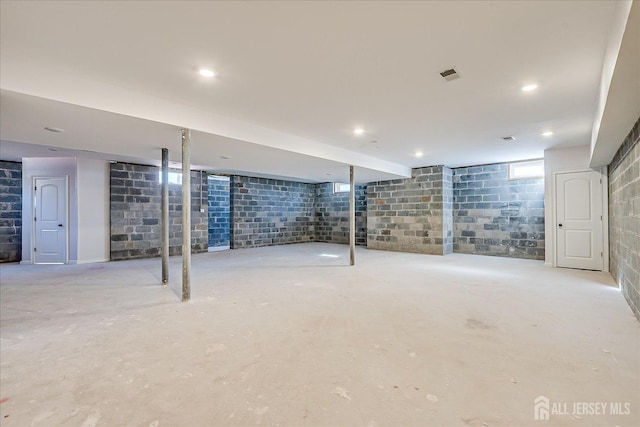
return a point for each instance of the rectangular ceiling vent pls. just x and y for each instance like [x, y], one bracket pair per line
[450, 74]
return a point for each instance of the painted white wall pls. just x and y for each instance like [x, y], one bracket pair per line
[572, 159]
[40, 167]
[93, 210]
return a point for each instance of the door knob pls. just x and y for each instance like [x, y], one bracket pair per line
[560, 225]
[60, 225]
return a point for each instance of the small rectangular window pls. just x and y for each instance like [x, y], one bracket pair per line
[526, 170]
[339, 187]
[174, 177]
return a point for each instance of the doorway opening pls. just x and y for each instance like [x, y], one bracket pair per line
[218, 203]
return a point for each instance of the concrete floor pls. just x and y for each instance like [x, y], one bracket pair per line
[291, 336]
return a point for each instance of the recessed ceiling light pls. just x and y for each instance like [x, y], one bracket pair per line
[529, 88]
[419, 154]
[547, 133]
[54, 130]
[358, 131]
[206, 73]
[225, 157]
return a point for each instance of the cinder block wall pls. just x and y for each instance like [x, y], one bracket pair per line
[409, 214]
[447, 211]
[495, 216]
[624, 218]
[10, 211]
[136, 212]
[270, 212]
[332, 214]
[218, 211]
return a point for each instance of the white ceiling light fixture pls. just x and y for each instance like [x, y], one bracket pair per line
[206, 73]
[419, 154]
[529, 87]
[547, 133]
[358, 131]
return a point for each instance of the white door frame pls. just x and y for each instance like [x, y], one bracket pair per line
[34, 212]
[604, 178]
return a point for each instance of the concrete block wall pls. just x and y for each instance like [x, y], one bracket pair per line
[447, 210]
[495, 216]
[218, 210]
[135, 209]
[409, 214]
[624, 218]
[332, 214]
[270, 212]
[10, 211]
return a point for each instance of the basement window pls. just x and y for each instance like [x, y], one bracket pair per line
[174, 178]
[340, 187]
[526, 170]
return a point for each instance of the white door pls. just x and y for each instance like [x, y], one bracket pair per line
[50, 221]
[579, 220]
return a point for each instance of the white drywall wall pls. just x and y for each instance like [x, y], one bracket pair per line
[93, 210]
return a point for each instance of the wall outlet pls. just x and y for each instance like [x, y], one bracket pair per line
[201, 210]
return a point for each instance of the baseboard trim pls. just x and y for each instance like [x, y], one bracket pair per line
[90, 261]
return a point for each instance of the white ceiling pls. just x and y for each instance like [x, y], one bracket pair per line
[294, 78]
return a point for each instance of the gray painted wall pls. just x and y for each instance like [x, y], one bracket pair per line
[495, 216]
[624, 218]
[10, 211]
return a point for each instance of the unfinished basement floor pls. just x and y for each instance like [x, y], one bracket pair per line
[291, 336]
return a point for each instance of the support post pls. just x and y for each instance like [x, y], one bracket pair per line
[165, 216]
[352, 219]
[186, 215]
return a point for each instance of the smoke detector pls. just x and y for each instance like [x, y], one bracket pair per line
[450, 74]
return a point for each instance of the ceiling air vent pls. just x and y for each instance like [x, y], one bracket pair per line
[450, 74]
[508, 138]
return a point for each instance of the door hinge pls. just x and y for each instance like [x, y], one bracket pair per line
[35, 188]
[600, 180]
[35, 219]
[35, 249]
[600, 217]
[601, 255]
